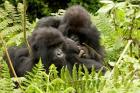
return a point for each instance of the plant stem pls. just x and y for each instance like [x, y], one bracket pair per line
[24, 27]
[121, 56]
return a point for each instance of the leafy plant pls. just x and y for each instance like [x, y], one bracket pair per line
[123, 19]
[115, 23]
[6, 84]
[11, 23]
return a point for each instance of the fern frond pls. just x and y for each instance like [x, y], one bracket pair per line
[10, 9]
[3, 13]
[67, 76]
[5, 23]
[6, 84]
[34, 77]
[53, 73]
[74, 73]
[5, 70]
[11, 21]
[11, 30]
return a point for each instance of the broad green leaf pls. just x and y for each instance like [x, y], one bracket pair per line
[106, 8]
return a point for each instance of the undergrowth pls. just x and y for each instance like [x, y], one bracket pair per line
[120, 33]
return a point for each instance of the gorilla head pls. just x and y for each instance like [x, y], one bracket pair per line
[47, 43]
[77, 16]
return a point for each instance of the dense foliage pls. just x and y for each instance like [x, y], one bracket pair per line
[40, 8]
[119, 24]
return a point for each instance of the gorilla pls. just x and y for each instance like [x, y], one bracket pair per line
[76, 25]
[47, 43]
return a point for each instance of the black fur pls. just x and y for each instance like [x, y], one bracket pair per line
[48, 44]
[77, 26]
[21, 60]
[76, 22]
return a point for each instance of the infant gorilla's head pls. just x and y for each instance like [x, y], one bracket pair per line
[76, 16]
[48, 44]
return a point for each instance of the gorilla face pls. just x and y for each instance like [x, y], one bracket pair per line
[47, 43]
[56, 54]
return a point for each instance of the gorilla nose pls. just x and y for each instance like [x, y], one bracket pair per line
[60, 53]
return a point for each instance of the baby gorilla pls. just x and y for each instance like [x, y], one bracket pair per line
[77, 25]
[47, 43]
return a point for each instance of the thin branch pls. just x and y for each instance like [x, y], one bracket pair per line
[24, 27]
[121, 56]
[9, 60]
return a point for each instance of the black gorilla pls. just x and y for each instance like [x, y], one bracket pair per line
[47, 43]
[21, 60]
[76, 25]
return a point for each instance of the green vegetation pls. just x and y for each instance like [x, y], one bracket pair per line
[40, 8]
[119, 24]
